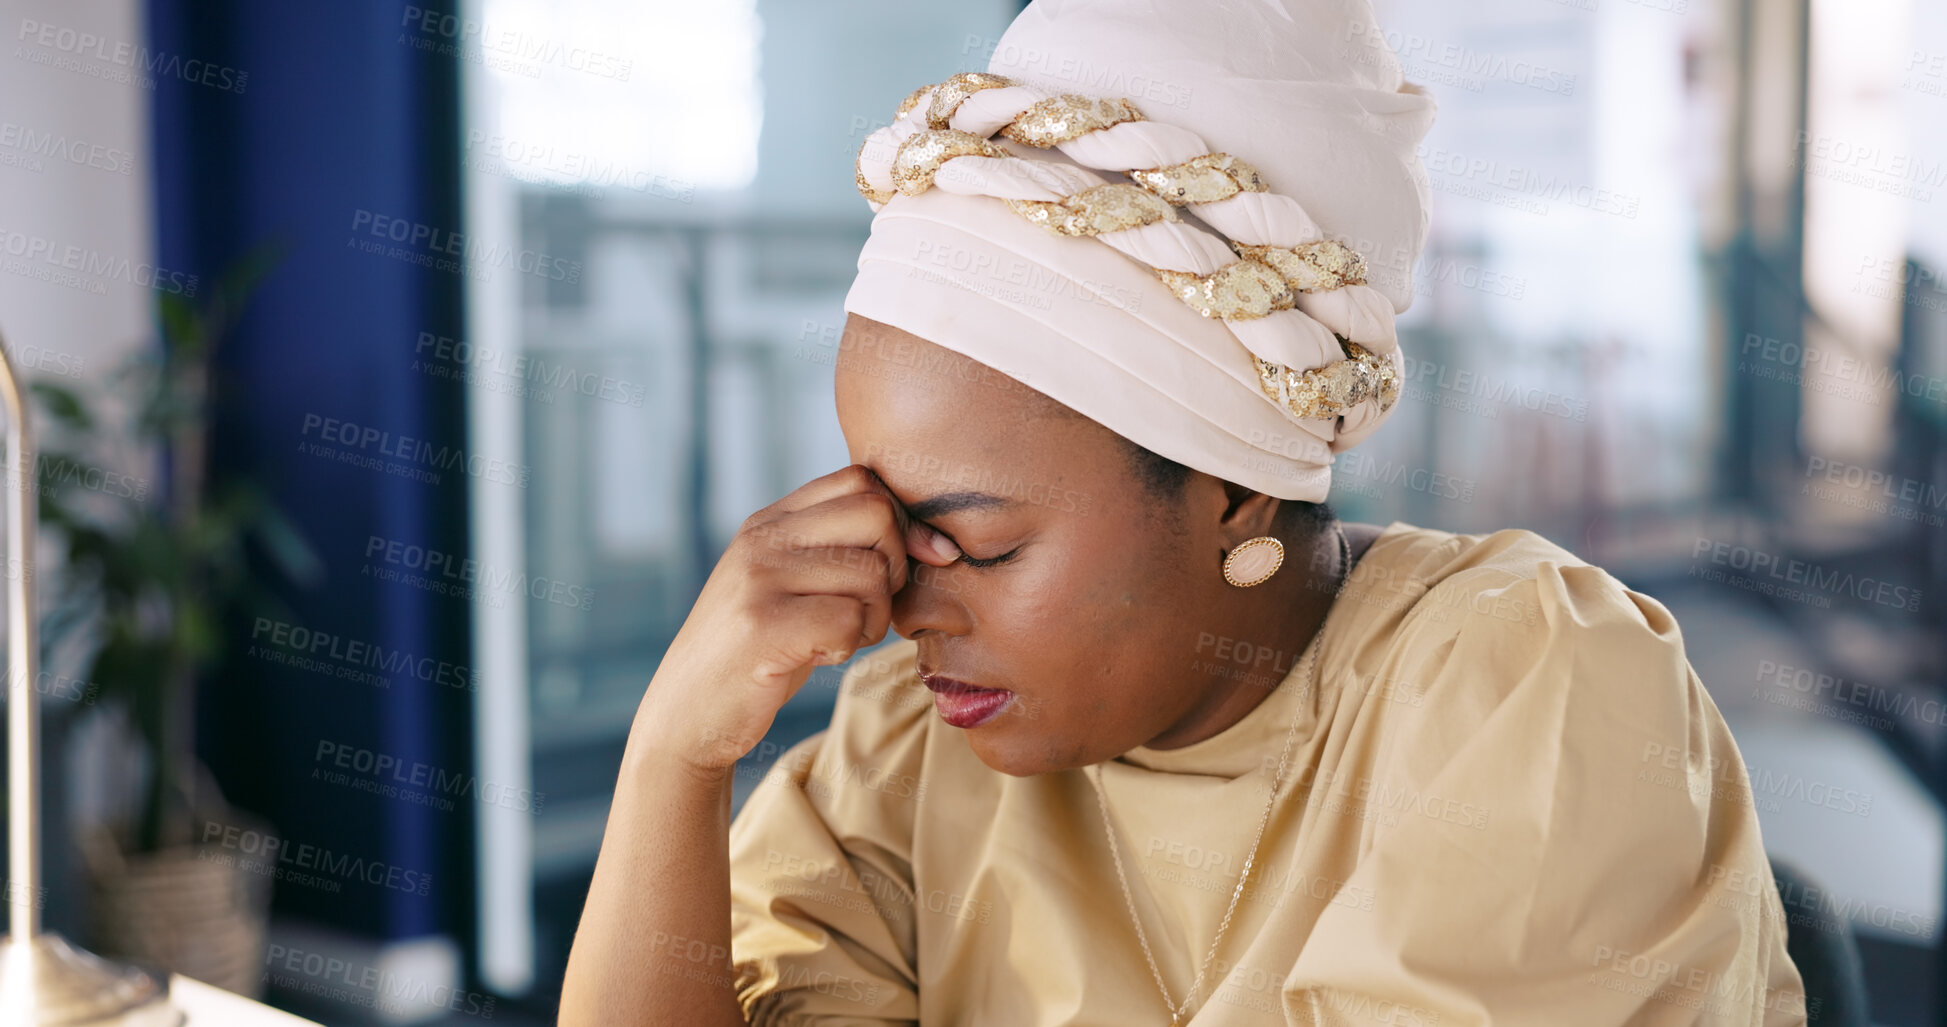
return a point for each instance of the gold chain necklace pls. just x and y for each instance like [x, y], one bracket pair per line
[1305, 666]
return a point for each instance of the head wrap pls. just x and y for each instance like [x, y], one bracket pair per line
[1191, 223]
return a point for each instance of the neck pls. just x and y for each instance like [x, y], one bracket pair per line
[1276, 628]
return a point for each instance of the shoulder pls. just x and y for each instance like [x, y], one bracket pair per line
[1504, 581]
[859, 781]
[1510, 604]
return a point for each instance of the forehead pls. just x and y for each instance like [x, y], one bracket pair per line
[883, 370]
[919, 414]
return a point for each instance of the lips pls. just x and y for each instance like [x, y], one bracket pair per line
[963, 705]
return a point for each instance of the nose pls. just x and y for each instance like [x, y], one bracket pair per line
[932, 600]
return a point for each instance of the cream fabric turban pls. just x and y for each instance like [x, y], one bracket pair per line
[1191, 222]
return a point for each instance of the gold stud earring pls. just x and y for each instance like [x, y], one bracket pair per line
[1255, 561]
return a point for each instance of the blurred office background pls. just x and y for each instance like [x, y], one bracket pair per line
[572, 272]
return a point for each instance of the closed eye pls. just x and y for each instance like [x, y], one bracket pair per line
[990, 561]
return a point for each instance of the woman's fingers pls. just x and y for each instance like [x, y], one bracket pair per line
[917, 539]
[857, 520]
[808, 581]
[861, 574]
[805, 630]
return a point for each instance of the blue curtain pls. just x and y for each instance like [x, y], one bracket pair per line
[320, 128]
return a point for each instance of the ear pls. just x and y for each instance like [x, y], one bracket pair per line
[1248, 514]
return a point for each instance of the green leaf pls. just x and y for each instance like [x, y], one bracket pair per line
[63, 404]
[287, 548]
[182, 326]
[197, 634]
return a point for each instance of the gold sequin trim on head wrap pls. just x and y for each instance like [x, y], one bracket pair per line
[1104, 208]
[865, 188]
[949, 95]
[911, 101]
[1329, 391]
[1265, 279]
[1206, 179]
[1314, 266]
[920, 156]
[1239, 291]
[1058, 119]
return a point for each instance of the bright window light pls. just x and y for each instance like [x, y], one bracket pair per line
[656, 97]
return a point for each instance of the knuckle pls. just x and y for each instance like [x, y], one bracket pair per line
[878, 499]
[755, 552]
[753, 534]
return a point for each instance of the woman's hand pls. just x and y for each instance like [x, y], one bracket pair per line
[806, 581]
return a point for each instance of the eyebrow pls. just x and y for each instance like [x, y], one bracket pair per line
[952, 502]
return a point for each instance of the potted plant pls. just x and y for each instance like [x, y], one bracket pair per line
[148, 578]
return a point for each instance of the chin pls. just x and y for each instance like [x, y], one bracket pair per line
[1018, 753]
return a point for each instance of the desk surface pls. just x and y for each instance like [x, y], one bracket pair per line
[206, 1006]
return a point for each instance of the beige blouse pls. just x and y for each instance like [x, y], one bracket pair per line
[1510, 801]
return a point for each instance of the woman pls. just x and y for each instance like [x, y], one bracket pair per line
[1163, 742]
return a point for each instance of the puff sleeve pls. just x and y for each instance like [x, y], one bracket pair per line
[1569, 833]
[822, 931]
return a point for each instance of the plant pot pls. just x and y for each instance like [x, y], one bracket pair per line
[195, 910]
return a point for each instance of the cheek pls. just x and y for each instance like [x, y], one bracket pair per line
[1090, 640]
[1097, 615]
